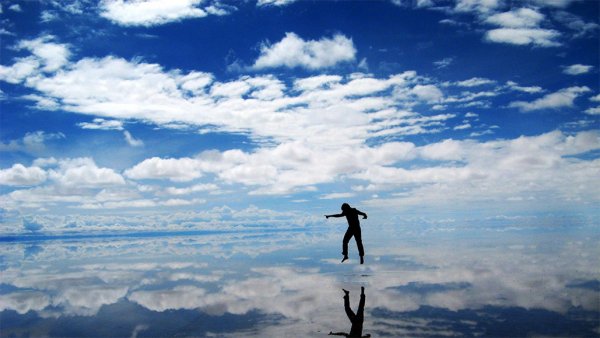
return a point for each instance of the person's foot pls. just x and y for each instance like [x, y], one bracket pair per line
[344, 259]
[362, 260]
[346, 292]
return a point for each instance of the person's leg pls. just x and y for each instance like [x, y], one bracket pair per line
[345, 241]
[361, 249]
[351, 315]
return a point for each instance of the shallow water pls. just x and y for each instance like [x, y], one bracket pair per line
[519, 282]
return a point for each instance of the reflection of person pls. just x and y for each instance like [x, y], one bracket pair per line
[353, 230]
[356, 319]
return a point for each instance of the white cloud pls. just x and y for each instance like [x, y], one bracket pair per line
[474, 82]
[25, 301]
[446, 150]
[4, 31]
[316, 130]
[530, 89]
[337, 195]
[150, 12]
[49, 16]
[524, 36]
[538, 166]
[52, 55]
[462, 126]
[428, 93]
[481, 7]
[593, 111]
[262, 106]
[131, 140]
[83, 172]
[102, 124]
[579, 27]
[19, 70]
[560, 99]
[262, 3]
[595, 98]
[68, 182]
[192, 189]
[443, 63]
[554, 3]
[47, 56]
[292, 51]
[521, 27]
[178, 170]
[577, 69]
[140, 203]
[282, 169]
[32, 142]
[519, 18]
[15, 8]
[19, 175]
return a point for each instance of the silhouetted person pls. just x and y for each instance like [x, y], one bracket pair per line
[353, 230]
[356, 319]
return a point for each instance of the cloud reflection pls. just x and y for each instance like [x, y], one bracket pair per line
[428, 286]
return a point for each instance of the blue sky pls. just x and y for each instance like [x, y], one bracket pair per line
[190, 114]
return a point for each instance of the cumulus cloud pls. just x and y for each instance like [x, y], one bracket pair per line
[521, 27]
[263, 107]
[310, 131]
[524, 36]
[519, 18]
[83, 172]
[506, 168]
[479, 7]
[560, 99]
[577, 69]
[428, 93]
[155, 12]
[292, 51]
[19, 175]
[178, 170]
[46, 56]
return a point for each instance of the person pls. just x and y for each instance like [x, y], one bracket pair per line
[356, 319]
[353, 230]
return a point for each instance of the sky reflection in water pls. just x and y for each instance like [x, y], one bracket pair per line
[492, 283]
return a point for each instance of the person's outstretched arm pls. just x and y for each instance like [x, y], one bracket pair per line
[335, 215]
[361, 213]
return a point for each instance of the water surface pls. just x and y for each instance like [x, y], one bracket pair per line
[494, 282]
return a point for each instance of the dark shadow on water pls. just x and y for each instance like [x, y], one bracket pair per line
[356, 319]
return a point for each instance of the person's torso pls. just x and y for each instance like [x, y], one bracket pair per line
[352, 217]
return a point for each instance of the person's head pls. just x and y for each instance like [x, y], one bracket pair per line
[345, 207]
